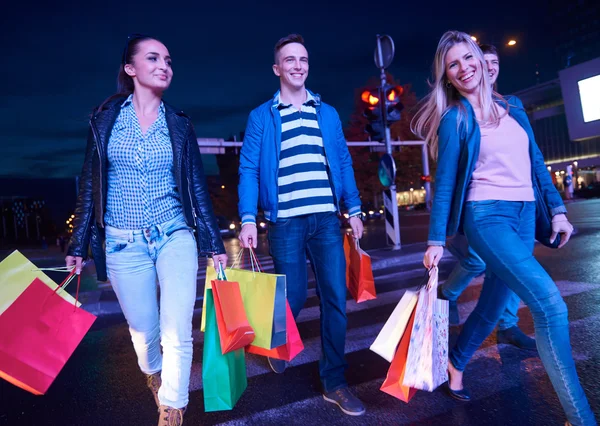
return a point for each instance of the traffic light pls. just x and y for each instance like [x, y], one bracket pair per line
[392, 107]
[372, 112]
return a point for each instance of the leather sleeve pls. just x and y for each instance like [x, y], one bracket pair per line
[84, 207]
[207, 227]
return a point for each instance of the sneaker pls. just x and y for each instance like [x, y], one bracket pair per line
[169, 416]
[453, 317]
[153, 382]
[514, 336]
[277, 365]
[347, 402]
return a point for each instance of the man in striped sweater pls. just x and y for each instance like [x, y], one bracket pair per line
[295, 163]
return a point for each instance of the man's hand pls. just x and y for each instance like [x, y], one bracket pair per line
[433, 255]
[562, 226]
[248, 236]
[74, 261]
[357, 226]
[220, 258]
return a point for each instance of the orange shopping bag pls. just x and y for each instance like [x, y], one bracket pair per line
[393, 382]
[359, 273]
[288, 351]
[234, 330]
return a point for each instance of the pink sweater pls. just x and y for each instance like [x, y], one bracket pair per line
[503, 169]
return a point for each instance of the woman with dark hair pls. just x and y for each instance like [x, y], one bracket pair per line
[143, 193]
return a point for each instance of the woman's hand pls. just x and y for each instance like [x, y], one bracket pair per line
[220, 258]
[562, 226]
[433, 255]
[75, 261]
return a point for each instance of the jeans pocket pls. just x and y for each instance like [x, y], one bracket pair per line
[485, 204]
[280, 222]
[115, 246]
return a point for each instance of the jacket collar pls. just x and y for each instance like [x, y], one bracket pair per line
[310, 98]
[105, 118]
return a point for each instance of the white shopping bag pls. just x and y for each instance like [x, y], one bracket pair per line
[387, 341]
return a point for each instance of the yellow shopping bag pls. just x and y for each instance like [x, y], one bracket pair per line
[264, 297]
[16, 274]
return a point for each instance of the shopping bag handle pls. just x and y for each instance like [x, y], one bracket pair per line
[254, 263]
[430, 272]
[221, 273]
[63, 285]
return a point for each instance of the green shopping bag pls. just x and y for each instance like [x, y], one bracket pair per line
[223, 376]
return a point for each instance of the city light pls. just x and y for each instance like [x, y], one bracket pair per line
[222, 186]
[512, 42]
[473, 38]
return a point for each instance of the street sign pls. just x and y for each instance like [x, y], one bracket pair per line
[387, 170]
[384, 51]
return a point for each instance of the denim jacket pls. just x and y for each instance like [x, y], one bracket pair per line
[458, 151]
[259, 161]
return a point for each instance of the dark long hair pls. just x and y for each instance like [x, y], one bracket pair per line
[125, 84]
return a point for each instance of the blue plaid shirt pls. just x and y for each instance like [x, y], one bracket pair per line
[141, 186]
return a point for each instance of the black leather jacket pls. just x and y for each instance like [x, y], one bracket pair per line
[88, 225]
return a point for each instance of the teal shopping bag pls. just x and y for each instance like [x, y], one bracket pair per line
[223, 376]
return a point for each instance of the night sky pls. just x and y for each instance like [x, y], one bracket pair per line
[59, 61]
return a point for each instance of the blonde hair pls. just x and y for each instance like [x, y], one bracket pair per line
[444, 95]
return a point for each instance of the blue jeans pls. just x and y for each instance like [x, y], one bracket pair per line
[471, 266]
[502, 233]
[138, 260]
[318, 236]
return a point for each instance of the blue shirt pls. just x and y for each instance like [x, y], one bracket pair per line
[141, 186]
[303, 177]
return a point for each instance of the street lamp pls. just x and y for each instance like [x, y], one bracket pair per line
[474, 38]
[511, 42]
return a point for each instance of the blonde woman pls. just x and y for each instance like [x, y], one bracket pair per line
[489, 170]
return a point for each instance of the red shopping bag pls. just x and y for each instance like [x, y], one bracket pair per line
[38, 334]
[393, 381]
[234, 330]
[359, 273]
[288, 351]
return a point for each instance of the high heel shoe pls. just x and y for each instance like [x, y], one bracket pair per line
[462, 395]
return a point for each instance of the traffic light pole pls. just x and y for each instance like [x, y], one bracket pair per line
[390, 200]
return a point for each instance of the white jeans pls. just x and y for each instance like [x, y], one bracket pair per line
[138, 260]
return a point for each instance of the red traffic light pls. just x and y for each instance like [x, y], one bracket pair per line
[368, 97]
[393, 94]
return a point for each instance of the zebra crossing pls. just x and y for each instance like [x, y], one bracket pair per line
[294, 397]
